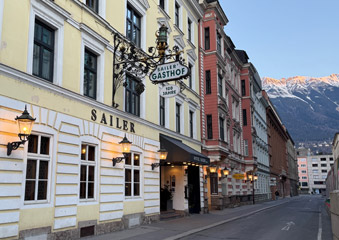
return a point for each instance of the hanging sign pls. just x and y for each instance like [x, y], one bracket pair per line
[169, 91]
[238, 176]
[169, 72]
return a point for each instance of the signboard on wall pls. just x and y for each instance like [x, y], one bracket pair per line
[238, 176]
[169, 72]
[169, 91]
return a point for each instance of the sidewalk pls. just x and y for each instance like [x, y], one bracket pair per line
[181, 227]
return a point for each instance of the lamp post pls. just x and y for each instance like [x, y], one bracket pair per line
[252, 177]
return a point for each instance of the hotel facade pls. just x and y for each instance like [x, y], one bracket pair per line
[57, 59]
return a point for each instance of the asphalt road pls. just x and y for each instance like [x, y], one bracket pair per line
[302, 218]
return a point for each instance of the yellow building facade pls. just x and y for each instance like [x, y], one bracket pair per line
[56, 58]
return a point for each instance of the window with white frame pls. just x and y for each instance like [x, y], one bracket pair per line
[191, 123]
[178, 117]
[87, 171]
[132, 175]
[177, 14]
[246, 147]
[189, 30]
[93, 4]
[220, 85]
[37, 169]
[222, 129]
[90, 74]
[133, 26]
[162, 4]
[190, 77]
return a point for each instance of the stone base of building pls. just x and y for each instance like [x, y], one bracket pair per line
[89, 228]
[262, 197]
[221, 202]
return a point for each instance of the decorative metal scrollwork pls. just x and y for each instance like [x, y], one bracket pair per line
[131, 60]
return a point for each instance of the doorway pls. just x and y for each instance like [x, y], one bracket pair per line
[193, 180]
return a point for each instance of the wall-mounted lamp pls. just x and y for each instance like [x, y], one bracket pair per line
[126, 149]
[162, 155]
[25, 124]
[225, 172]
[213, 169]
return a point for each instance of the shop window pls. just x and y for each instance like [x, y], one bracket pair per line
[209, 127]
[87, 171]
[37, 170]
[43, 51]
[208, 81]
[132, 175]
[207, 38]
[162, 111]
[133, 26]
[132, 97]
[90, 74]
[93, 4]
[214, 183]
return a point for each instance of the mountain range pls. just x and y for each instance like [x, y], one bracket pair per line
[307, 106]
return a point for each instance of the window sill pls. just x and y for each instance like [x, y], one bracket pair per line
[83, 202]
[178, 29]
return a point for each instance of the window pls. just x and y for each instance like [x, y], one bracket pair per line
[243, 88]
[207, 38]
[331, 158]
[177, 14]
[304, 184]
[177, 116]
[208, 82]
[315, 176]
[302, 159]
[318, 182]
[315, 170]
[162, 111]
[303, 171]
[219, 43]
[189, 29]
[246, 147]
[93, 4]
[132, 175]
[322, 159]
[43, 51]
[214, 183]
[191, 114]
[132, 97]
[244, 117]
[220, 85]
[323, 176]
[90, 75]
[209, 127]
[315, 160]
[162, 4]
[303, 165]
[324, 171]
[38, 161]
[303, 177]
[222, 129]
[314, 165]
[133, 26]
[190, 67]
[323, 165]
[87, 171]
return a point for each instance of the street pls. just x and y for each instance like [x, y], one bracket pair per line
[302, 218]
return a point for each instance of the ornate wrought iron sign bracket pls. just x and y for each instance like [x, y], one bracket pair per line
[131, 60]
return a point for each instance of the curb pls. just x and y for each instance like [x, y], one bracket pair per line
[185, 234]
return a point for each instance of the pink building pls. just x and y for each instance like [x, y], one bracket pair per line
[303, 174]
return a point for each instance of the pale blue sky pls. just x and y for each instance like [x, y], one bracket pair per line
[285, 38]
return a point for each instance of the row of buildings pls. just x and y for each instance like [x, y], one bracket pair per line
[80, 68]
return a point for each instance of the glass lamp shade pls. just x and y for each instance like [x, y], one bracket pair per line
[250, 177]
[213, 169]
[126, 145]
[255, 177]
[162, 154]
[226, 172]
[25, 123]
[162, 37]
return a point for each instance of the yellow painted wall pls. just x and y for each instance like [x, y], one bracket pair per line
[36, 218]
[133, 207]
[88, 212]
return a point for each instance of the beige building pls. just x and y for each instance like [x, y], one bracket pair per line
[57, 58]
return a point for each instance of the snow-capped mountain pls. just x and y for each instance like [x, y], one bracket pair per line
[308, 106]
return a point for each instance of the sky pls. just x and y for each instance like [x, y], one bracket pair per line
[286, 38]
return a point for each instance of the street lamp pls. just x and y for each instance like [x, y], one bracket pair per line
[25, 124]
[252, 177]
[126, 149]
[162, 155]
[225, 172]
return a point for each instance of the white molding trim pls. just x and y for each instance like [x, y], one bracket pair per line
[164, 21]
[56, 19]
[37, 82]
[88, 40]
[178, 39]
